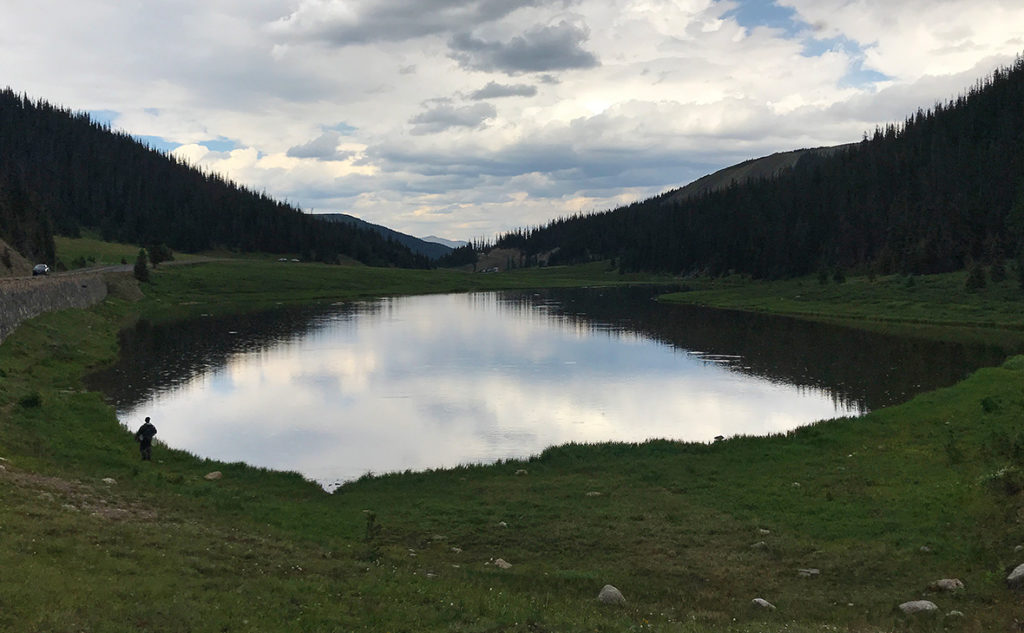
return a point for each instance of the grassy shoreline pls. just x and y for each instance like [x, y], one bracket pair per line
[677, 527]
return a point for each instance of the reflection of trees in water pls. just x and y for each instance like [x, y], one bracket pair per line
[162, 357]
[858, 369]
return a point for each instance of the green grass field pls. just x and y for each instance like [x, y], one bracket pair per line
[881, 505]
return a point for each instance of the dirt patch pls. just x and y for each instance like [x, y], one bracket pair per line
[12, 264]
[75, 496]
[123, 286]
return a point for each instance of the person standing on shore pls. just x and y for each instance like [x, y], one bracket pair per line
[144, 436]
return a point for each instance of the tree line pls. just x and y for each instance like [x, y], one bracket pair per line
[934, 193]
[61, 173]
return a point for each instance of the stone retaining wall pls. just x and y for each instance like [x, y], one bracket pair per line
[22, 299]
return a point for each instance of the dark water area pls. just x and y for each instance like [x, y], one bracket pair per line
[422, 382]
[860, 369]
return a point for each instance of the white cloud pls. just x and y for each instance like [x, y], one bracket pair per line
[629, 99]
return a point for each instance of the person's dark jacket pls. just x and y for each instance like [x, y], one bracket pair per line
[145, 434]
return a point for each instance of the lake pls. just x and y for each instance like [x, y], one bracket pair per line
[441, 380]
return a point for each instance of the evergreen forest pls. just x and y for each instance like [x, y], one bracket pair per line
[62, 173]
[935, 193]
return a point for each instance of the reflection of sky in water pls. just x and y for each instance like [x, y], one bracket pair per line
[425, 382]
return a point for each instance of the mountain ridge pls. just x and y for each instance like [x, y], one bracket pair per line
[431, 250]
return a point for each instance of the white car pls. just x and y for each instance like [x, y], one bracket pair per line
[40, 269]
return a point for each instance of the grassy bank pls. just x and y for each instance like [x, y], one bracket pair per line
[881, 506]
[907, 303]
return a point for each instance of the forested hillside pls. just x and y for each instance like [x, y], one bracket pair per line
[60, 173]
[928, 195]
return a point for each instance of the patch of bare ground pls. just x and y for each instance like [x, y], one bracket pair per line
[75, 496]
[12, 264]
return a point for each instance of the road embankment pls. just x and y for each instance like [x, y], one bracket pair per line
[24, 298]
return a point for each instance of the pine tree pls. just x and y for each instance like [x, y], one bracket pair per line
[141, 269]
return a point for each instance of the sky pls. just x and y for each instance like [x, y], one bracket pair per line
[468, 118]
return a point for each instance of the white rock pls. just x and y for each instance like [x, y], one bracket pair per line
[955, 614]
[1016, 577]
[213, 475]
[110, 481]
[759, 545]
[593, 493]
[522, 471]
[502, 524]
[501, 563]
[763, 532]
[808, 572]
[918, 606]
[764, 604]
[2, 468]
[1019, 548]
[611, 595]
[795, 484]
[947, 584]
[457, 550]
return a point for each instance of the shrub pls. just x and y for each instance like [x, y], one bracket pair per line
[31, 400]
[975, 277]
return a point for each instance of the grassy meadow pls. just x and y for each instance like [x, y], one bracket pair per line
[880, 506]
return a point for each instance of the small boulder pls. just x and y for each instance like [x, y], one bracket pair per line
[501, 563]
[1016, 578]
[502, 524]
[763, 532]
[593, 493]
[610, 595]
[522, 471]
[759, 545]
[213, 476]
[955, 614]
[918, 606]
[110, 481]
[947, 584]
[763, 604]
[809, 572]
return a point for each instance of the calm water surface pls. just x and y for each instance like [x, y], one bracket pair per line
[434, 381]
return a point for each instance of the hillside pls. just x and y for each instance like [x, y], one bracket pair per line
[754, 169]
[942, 189]
[61, 173]
[428, 249]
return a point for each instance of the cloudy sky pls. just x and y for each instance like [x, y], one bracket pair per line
[465, 118]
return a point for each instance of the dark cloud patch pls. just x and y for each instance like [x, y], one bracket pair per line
[545, 169]
[541, 49]
[395, 20]
[324, 147]
[495, 90]
[446, 116]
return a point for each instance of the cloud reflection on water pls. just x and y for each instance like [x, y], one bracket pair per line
[424, 382]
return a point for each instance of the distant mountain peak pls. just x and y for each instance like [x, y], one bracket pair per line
[430, 249]
[440, 240]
